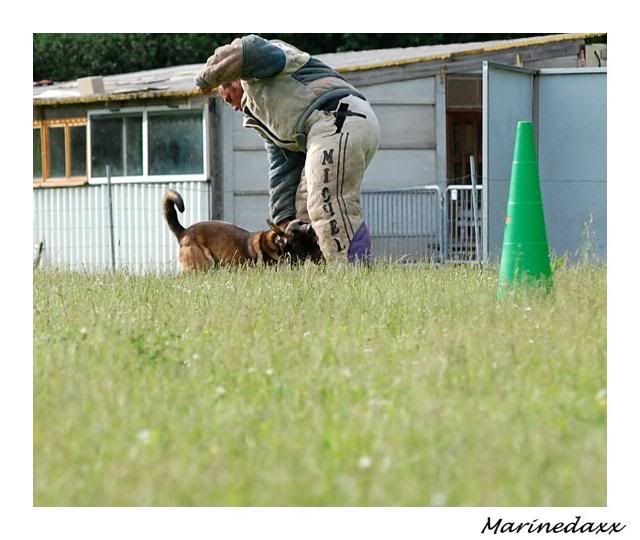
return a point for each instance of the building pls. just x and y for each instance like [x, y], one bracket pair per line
[437, 107]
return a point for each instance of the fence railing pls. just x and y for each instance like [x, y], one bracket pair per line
[419, 223]
[405, 224]
[463, 223]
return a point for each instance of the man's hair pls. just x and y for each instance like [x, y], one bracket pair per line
[225, 86]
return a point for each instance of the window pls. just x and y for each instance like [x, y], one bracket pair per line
[116, 141]
[60, 151]
[78, 151]
[147, 145]
[37, 153]
[57, 154]
[175, 143]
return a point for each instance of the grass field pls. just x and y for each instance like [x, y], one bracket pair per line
[387, 386]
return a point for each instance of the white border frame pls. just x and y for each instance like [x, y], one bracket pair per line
[145, 177]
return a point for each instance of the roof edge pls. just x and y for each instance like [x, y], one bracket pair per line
[524, 42]
[110, 98]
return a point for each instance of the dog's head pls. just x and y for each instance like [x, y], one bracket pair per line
[298, 241]
[273, 244]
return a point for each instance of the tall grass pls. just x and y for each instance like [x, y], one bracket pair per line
[385, 386]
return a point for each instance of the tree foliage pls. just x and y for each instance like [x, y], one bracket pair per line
[62, 57]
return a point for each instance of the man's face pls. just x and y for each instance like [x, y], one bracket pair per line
[232, 94]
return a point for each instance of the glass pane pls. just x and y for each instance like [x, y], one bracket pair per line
[175, 143]
[56, 153]
[133, 164]
[37, 154]
[106, 146]
[78, 151]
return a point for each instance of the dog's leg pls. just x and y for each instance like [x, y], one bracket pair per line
[194, 258]
[208, 255]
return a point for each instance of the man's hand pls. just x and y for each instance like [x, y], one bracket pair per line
[203, 86]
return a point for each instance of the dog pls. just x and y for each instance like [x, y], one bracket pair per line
[218, 243]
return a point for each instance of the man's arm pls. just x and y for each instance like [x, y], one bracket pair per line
[249, 57]
[223, 66]
[285, 169]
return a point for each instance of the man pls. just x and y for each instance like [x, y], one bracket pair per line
[320, 135]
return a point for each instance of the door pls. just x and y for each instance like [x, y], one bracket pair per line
[508, 98]
[464, 139]
[568, 108]
[572, 156]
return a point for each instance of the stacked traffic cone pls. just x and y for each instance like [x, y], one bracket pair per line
[525, 251]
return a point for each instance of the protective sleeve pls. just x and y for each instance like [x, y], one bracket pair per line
[223, 66]
[261, 59]
[285, 169]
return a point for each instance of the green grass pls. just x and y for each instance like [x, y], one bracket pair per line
[387, 386]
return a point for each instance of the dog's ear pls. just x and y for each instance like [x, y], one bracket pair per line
[276, 229]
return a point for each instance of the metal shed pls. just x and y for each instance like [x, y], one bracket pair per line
[437, 106]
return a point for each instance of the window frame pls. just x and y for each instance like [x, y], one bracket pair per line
[40, 179]
[46, 180]
[146, 177]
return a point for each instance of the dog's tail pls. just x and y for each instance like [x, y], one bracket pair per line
[170, 200]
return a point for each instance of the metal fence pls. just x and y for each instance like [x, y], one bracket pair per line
[463, 223]
[405, 224]
[71, 226]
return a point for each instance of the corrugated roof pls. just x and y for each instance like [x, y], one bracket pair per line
[375, 59]
[179, 80]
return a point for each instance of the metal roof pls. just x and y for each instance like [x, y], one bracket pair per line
[179, 80]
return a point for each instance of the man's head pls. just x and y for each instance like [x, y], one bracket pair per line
[232, 93]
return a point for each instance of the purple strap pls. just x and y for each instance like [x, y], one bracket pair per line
[360, 247]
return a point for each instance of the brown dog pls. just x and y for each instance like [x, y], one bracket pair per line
[218, 243]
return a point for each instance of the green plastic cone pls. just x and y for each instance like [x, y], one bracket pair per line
[525, 251]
